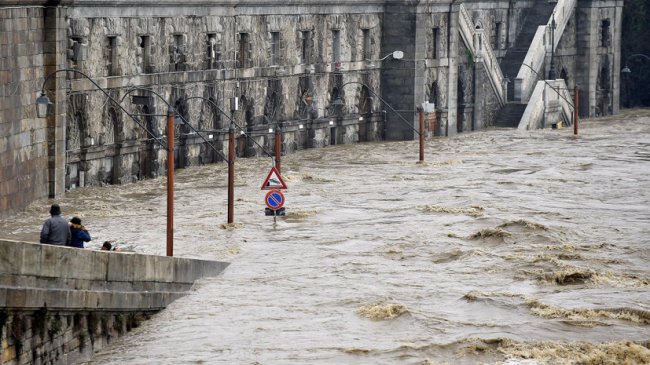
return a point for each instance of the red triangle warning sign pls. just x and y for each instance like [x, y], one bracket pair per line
[274, 181]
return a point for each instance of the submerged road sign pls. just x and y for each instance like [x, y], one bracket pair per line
[273, 181]
[274, 199]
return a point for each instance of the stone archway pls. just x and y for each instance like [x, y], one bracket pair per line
[434, 97]
[365, 112]
[148, 150]
[460, 115]
[75, 141]
[603, 88]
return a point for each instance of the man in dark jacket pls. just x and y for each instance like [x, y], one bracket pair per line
[56, 230]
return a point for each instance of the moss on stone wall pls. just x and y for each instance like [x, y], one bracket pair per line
[36, 336]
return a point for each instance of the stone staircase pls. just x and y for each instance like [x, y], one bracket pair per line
[514, 57]
[510, 115]
[537, 15]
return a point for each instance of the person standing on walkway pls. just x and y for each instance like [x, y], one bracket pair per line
[78, 232]
[56, 230]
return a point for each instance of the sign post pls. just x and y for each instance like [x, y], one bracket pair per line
[274, 198]
[273, 181]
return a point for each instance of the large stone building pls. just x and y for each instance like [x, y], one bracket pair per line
[325, 72]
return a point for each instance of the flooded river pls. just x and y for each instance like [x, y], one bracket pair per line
[505, 246]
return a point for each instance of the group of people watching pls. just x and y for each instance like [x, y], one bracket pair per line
[57, 231]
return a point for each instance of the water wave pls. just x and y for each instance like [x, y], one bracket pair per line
[473, 211]
[382, 312]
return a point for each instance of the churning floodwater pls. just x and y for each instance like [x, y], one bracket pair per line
[504, 246]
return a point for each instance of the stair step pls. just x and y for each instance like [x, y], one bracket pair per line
[512, 61]
[510, 115]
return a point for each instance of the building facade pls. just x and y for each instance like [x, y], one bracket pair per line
[322, 72]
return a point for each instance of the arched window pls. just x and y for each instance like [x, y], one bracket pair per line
[564, 75]
[433, 93]
[365, 101]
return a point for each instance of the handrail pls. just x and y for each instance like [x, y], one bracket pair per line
[526, 80]
[548, 82]
[541, 99]
[479, 47]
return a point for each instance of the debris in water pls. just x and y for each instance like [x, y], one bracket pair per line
[356, 351]
[580, 314]
[473, 211]
[569, 277]
[525, 223]
[393, 251]
[306, 177]
[584, 353]
[489, 233]
[301, 214]
[381, 312]
[430, 362]
[231, 226]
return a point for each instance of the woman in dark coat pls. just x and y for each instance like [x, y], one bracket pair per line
[79, 233]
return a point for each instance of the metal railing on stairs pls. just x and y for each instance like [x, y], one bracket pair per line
[482, 52]
[526, 78]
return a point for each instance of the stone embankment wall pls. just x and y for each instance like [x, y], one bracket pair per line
[289, 65]
[60, 304]
[23, 137]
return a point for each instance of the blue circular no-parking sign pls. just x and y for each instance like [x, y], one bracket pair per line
[274, 199]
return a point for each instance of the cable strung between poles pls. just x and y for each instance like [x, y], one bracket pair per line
[43, 94]
[132, 89]
[231, 120]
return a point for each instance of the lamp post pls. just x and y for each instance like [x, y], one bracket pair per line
[170, 181]
[42, 109]
[231, 172]
[626, 74]
[398, 55]
[339, 103]
[231, 154]
[551, 71]
[626, 71]
[278, 147]
[576, 98]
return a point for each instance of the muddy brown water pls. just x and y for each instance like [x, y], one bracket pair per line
[505, 246]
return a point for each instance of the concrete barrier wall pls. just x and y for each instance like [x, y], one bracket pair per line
[60, 304]
[549, 104]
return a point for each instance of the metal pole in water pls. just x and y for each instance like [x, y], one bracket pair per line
[421, 134]
[231, 173]
[575, 110]
[278, 148]
[170, 181]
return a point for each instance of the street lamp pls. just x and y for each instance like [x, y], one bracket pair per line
[398, 55]
[626, 71]
[551, 71]
[42, 109]
[42, 105]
